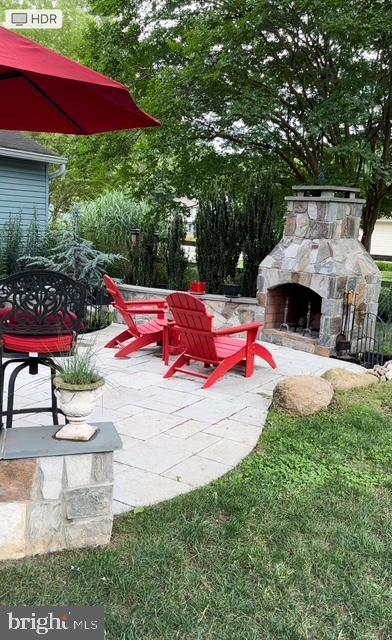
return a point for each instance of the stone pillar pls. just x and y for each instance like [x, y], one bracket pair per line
[53, 503]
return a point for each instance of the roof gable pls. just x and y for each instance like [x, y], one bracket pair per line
[16, 145]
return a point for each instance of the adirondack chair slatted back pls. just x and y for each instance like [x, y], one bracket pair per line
[195, 324]
[114, 291]
[120, 305]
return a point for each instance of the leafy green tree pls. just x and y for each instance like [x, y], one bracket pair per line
[305, 82]
[67, 40]
[218, 237]
[86, 175]
[176, 261]
[262, 220]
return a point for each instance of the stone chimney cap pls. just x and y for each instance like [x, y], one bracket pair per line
[324, 187]
[326, 193]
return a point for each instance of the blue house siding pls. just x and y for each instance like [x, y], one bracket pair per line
[24, 190]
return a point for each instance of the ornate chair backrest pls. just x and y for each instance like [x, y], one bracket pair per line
[40, 302]
[195, 323]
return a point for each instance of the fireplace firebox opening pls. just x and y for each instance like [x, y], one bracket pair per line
[293, 308]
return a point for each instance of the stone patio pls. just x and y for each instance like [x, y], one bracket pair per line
[176, 436]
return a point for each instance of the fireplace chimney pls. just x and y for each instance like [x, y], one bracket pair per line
[316, 270]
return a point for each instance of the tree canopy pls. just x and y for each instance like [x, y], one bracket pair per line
[305, 84]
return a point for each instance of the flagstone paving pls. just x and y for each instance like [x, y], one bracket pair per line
[176, 436]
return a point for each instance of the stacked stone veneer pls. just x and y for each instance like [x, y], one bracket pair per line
[227, 311]
[320, 250]
[53, 503]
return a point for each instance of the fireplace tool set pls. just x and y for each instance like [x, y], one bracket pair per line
[304, 323]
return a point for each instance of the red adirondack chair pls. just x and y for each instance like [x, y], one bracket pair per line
[144, 334]
[216, 348]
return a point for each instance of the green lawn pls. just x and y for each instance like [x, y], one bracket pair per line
[386, 270]
[294, 544]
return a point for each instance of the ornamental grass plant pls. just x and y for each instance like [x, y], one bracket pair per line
[80, 368]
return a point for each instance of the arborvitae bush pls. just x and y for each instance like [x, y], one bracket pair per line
[262, 218]
[218, 238]
[11, 245]
[15, 243]
[385, 303]
[176, 261]
[34, 238]
[145, 255]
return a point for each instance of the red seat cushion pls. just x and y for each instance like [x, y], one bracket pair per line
[24, 317]
[4, 311]
[41, 344]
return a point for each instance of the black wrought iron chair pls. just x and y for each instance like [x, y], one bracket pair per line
[41, 314]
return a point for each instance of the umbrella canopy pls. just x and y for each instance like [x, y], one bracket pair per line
[41, 90]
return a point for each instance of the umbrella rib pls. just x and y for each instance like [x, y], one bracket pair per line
[11, 74]
[54, 103]
[16, 74]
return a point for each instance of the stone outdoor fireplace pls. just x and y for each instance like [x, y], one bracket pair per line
[304, 284]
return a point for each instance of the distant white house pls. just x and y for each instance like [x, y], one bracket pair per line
[381, 245]
[190, 207]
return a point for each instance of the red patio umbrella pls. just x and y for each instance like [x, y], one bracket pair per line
[41, 90]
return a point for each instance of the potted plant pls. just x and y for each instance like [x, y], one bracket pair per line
[198, 287]
[78, 385]
[231, 289]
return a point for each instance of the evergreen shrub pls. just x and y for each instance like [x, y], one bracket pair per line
[219, 233]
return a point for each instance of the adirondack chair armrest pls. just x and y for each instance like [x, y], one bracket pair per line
[140, 310]
[137, 304]
[251, 326]
[147, 311]
[162, 304]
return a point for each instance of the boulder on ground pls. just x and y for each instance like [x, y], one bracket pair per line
[302, 395]
[342, 379]
[383, 371]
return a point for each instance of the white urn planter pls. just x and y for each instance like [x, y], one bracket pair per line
[77, 401]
